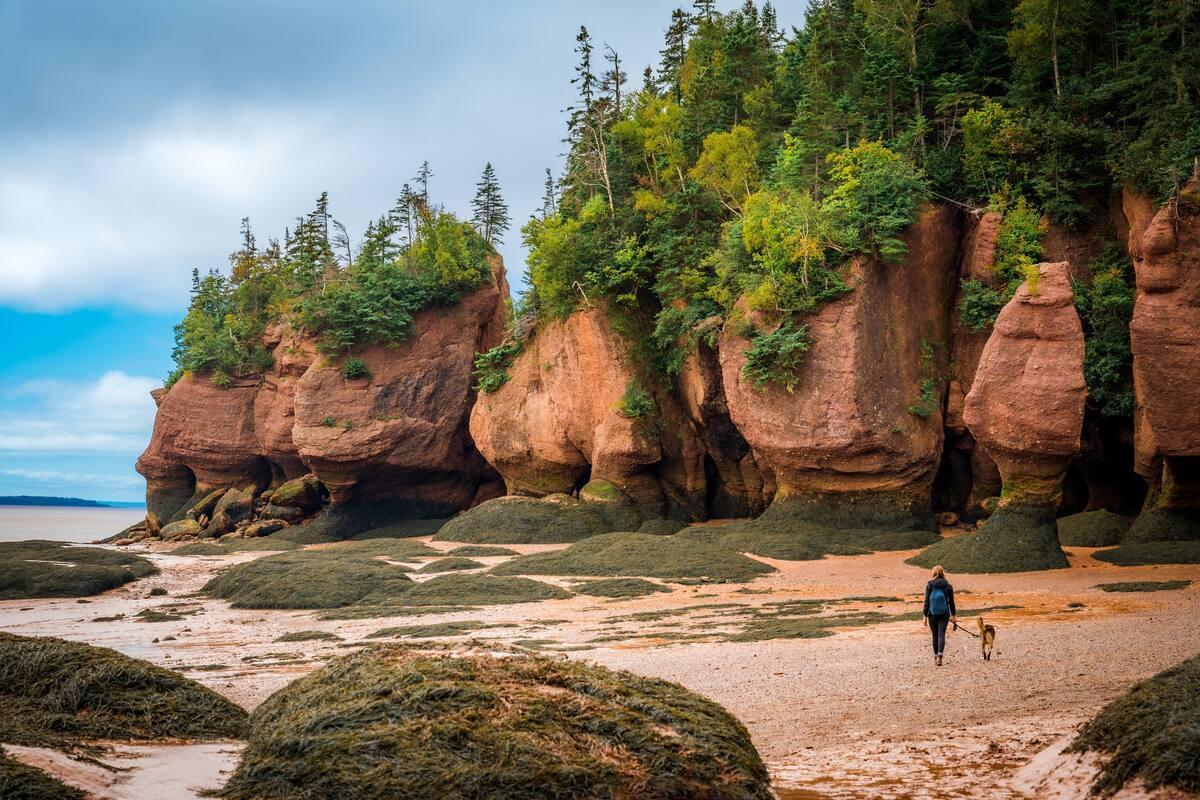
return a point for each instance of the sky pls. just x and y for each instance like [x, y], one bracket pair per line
[135, 135]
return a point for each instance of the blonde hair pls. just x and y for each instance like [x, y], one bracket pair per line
[938, 572]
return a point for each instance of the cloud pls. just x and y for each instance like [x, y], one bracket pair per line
[113, 414]
[87, 478]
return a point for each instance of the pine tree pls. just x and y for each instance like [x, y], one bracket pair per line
[422, 180]
[490, 211]
[613, 78]
[549, 204]
[584, 79]
[401, 214]
[673, 52]
[704, 9]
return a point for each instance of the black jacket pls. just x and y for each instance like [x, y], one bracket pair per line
[944, 585]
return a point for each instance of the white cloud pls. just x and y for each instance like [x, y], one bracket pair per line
[87, 478]
[113, 415]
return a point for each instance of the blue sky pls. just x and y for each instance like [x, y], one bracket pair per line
[135, 134]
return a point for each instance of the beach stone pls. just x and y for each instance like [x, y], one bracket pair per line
[180, 529]
[302, 493]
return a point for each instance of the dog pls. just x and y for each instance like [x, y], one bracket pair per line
[987, 639]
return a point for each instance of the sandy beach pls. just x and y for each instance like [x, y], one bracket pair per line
[862, 713]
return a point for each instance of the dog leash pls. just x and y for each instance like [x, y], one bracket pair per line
[958, 627]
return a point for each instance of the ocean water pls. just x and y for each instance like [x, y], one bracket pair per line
[64, 524]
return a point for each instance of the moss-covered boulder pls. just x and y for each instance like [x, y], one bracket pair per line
[57, 694]
[1150, 734]
[392, 722]
[57, 569]
[303, 493]
[1099, 528]
[1012, 540]
[182, 529]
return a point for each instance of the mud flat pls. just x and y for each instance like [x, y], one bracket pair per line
[848, 704]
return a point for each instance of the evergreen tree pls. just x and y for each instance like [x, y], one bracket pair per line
[613, 78]
[704, 9]
[549, 203]
[422, 181]
[673, 53]
[490, 211]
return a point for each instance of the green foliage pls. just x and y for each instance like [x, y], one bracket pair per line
[1105, 307]
[928, 402]
[876, 193]
[979, 304]
[353, 368]
[1149, 733]
[776, 356]
[491, 366]
[636, 403]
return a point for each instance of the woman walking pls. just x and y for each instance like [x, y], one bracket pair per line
[939, 611]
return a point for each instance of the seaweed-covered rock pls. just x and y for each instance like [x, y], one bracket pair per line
[22, 782]
[1092, 529]
[392, 722]
[57, 569]
[57, 694]
[264, 527]
[181, 529]
[303, 493]
[1150, 734]
[1015, 539]
[525, 520]
[235, 506]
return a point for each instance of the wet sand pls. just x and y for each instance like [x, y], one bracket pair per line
[863, 713]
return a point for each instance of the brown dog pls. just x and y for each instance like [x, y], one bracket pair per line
[987, 639]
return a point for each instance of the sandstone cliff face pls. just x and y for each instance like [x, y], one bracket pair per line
[557, 423]
[400, 434]
[1165, 338]
[1026, 403]
[845, 430]
[397, 437]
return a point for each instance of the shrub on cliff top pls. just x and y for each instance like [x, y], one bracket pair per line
[1151, 733]
[57, 693]
[640, 554]
[57, 569]
[776, 356]
[391, 722]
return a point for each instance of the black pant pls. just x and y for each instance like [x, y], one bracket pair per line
[937, 627]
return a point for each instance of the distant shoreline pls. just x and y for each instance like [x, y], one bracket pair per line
[63, 502]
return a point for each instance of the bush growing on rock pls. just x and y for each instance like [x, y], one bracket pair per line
[391, 722]
[57, 569]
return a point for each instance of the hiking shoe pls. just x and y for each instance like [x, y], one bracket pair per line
[939, 660]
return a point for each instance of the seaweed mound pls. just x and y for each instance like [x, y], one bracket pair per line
[524, 520]
[1012, 540]
[451, 564]
[391, 722]
[1092, 529]
[778, 534]
[57, 693]
[58, 569]
[641, 555]
[1138, 553]
[1165, 525]
[263, 544]
[1151, 733]
[618, 587]
[478, 590]
[21, 782]
[320, 579]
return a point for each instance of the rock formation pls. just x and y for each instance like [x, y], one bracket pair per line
[1165, 338]
[845, 436]
[1025, 408]
[561, 423]
[1026, 403]
[395, 439]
